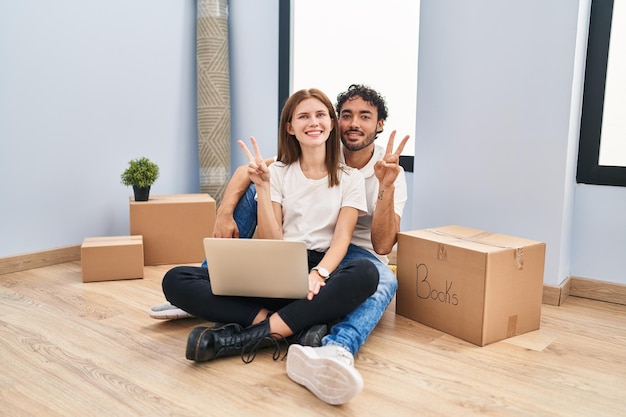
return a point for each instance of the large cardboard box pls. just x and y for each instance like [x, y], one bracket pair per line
[478, 286]
[173, 227]
[111, 258]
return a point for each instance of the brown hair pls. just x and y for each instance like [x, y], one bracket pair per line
[289, 150]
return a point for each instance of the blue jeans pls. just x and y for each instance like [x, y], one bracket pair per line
[353, 330]
[245, 215]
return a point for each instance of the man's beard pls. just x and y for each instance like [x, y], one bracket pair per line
[353, 147]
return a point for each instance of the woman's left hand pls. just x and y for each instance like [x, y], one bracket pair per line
[315, 284]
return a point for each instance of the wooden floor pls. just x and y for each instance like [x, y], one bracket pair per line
[74, 349]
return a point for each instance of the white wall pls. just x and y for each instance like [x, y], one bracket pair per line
[498, 117]
[599, 237]
[494, 102]
[500, 81]
[599, 228]
[84, 87]
[253, 34]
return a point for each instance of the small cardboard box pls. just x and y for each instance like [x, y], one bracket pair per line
[111, 258]
[173, 227]
[478, 286]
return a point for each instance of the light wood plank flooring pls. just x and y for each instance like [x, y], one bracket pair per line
[74, 349]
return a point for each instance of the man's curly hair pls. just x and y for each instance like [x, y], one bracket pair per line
[367, 94]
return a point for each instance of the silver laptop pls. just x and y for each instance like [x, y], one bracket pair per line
[257, 267]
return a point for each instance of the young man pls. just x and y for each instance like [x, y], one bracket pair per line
[328, 371]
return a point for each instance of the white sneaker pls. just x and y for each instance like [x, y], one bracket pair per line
[167, 311]
[327, 371]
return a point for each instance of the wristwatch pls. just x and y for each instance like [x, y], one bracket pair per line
[322, 271]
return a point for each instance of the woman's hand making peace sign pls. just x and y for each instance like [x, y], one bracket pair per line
[257, 168]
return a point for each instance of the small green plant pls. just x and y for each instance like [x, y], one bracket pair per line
[141, 173]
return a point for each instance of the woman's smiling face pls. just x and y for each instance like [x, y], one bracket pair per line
[311, 123]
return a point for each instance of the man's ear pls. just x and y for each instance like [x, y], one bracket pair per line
[379, 126]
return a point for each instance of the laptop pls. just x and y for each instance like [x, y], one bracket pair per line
[257, 267]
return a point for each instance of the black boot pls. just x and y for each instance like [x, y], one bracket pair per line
[311, 336]
[206, 343]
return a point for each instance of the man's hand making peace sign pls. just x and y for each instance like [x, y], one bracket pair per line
[388, 168]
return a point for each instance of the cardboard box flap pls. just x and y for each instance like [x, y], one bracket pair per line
[175, 198]
[111, 241]
[474, 239]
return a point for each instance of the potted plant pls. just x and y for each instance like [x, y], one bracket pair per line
[140, 174]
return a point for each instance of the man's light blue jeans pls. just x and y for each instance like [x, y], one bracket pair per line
[352, 331]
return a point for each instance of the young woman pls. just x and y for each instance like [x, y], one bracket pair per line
[306, 195]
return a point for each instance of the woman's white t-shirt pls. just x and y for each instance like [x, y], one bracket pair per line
[311, 207]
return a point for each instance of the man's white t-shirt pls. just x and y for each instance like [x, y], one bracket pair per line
[363, 233]
[311, 207]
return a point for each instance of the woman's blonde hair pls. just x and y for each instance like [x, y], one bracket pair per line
[289, 150]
